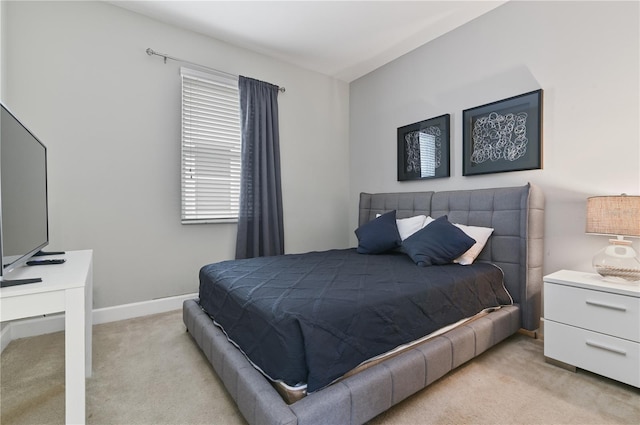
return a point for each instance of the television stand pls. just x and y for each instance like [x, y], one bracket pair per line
[13, 282]
[43, 253]
[66, 288]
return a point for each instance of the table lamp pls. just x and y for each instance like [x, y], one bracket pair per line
[616, 216]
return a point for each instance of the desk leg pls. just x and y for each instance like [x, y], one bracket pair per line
[88, 287]
[75, 362]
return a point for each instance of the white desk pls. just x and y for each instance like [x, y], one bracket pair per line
[64, 288]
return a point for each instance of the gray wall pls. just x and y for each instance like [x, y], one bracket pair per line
[585, 55]
[77, 74]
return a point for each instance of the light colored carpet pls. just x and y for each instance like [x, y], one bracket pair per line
[149, 371]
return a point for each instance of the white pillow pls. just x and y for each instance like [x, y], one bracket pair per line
[428, 220]
[408, 226]
[481, 235]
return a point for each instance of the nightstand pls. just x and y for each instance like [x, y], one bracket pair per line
[593, 324]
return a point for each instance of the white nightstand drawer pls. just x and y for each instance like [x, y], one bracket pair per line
[615, 358]
[612, 314]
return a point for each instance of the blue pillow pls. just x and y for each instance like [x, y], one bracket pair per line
[440, 242]
[379, 235]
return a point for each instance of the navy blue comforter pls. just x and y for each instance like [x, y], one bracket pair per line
[310, 318]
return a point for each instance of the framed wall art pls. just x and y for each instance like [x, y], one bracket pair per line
[501, 136]
[423, 149]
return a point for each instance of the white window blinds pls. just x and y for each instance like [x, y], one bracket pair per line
[210, 147]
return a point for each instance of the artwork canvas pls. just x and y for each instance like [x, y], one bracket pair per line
[423, 149]
[503, 136]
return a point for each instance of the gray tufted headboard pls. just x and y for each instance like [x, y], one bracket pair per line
[516, 245]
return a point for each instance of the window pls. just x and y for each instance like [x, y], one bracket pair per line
[210, 148]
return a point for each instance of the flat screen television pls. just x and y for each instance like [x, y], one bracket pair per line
[24, 224]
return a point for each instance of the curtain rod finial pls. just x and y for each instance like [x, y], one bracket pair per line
[149, 51]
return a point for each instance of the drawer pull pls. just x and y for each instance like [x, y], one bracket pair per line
[611, 306]
[606, 347]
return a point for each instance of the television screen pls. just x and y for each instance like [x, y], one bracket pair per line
[24, 226]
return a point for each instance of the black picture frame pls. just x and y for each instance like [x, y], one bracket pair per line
[502, 136]
[412, 165]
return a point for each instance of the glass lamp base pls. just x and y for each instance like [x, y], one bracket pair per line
[618, 262]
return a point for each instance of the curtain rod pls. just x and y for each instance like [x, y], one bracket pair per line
[151, 52]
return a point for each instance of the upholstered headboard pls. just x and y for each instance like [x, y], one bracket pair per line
[516, 245]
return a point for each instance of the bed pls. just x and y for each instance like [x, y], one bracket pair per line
[515, 247]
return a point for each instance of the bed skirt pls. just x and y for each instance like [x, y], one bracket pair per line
[357, 398]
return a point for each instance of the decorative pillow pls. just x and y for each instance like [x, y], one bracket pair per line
[481, 235]
[379, 235]
[408, 226]
[438, 243]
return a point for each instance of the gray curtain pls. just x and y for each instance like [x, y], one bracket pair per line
[260, 229]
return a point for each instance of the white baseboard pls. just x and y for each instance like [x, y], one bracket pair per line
[143, 308]
[55, 322]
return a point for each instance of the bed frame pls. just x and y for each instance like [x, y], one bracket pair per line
[516, 214]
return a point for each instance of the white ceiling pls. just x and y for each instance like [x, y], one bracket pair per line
[342, 39]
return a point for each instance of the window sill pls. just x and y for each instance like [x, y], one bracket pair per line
[211, 221]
